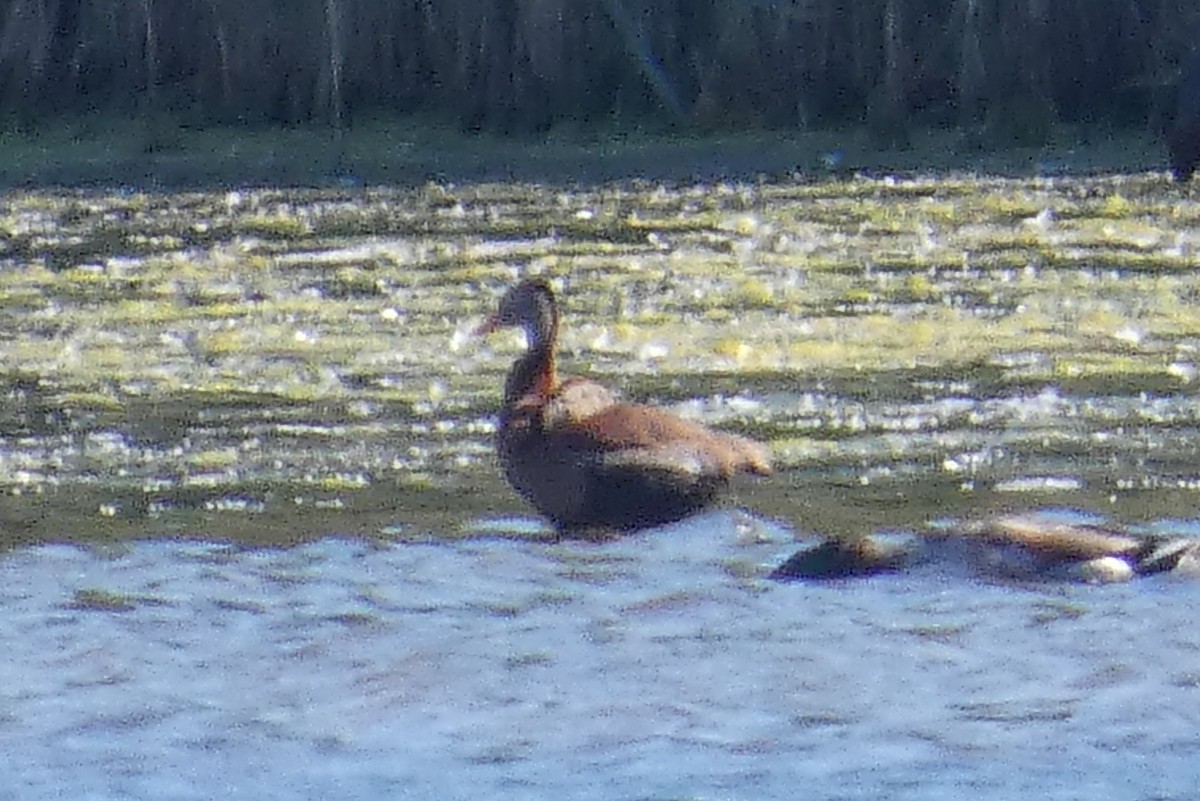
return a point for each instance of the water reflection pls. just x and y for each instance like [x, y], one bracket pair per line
[659, 666]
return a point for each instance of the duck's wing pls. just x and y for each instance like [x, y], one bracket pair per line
[576, 399]
[633, 436]
[1056, 541]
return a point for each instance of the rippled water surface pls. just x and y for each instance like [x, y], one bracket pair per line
[253, 542]
[657, 666]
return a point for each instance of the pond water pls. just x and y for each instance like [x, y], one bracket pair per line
[658, 666]
[254, 544]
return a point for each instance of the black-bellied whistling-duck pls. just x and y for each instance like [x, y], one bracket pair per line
[586, 460]
[1020, 547]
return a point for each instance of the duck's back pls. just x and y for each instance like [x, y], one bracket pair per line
[585, 460]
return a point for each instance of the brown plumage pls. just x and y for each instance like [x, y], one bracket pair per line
[1015, 547]
[586, 460]
[1050, 541]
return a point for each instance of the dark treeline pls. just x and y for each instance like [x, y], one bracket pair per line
[1012, 67]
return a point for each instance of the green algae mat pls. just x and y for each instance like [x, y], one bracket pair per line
[270, 366]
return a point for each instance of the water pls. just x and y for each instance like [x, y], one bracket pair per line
[662, 665]
[257, 420]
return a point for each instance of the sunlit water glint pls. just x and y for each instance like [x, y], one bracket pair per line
[661, 665]
[275, 367]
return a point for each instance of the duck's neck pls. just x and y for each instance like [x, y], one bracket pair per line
[536, 372]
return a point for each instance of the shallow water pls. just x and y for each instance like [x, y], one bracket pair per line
[254, 540]
[276, 366]
[656, 666]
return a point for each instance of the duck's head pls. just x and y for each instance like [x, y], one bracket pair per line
[529, 305]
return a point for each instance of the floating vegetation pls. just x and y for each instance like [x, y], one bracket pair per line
[177, 350]
[101, 600]
[1053, 611]
[525, 660]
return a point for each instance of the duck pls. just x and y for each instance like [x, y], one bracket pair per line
[1013, 547]
[587, 460]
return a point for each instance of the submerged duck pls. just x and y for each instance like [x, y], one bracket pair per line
[1014, 547]
[585, 459]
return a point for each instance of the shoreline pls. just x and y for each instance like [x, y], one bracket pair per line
[411, 155]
